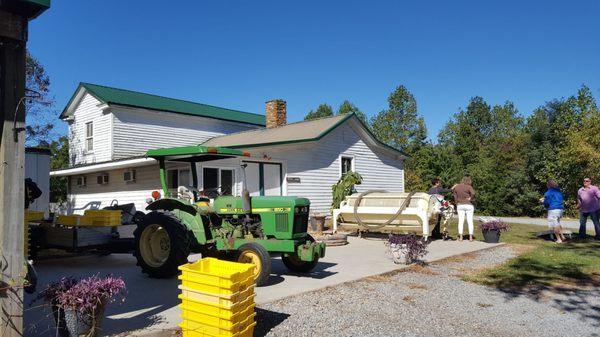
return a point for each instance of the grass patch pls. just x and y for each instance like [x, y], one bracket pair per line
[543, 265]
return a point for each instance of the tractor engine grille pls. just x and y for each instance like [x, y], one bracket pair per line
[281, 223]
[300, 223]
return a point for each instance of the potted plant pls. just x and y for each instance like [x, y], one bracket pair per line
[406, 248]
[78, 305]
[50, 296]
[492, 229]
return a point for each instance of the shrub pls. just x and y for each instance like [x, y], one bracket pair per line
[344, 187]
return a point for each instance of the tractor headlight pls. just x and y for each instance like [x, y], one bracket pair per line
[301, 209]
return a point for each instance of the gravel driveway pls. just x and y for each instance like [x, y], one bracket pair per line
[432, 301]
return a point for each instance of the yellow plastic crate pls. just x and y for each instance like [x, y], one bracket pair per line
[208, 330]
[103, 213]
[32, 216]
[218, 310]
[248, 332]
[217, 273]
[189, 312]
[220, 299]
[191, 282]
[94, 219]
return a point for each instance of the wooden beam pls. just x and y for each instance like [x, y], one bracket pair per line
[12, 90]
[13, 26]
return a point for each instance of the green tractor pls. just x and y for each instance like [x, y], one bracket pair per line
[243, 229]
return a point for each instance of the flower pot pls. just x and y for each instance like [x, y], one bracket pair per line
[491, 236]
[87, 325]
[398, 253]
[59, 319]
[317, 222]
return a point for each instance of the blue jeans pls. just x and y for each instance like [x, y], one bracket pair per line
[583, 216]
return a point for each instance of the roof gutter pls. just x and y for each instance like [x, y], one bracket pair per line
[103, 166]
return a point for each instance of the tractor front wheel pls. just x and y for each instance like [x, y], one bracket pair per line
[257, 255]
[293, 262]
[162, 243]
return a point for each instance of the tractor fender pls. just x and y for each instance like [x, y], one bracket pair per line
[186, 213]
[170, 205]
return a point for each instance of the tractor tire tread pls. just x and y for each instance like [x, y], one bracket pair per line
[265, 260]
[180, 244]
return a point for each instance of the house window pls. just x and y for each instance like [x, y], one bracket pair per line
[129, 176]
[102, 179]
[213, 178]
[81, 181]
[89, 136]
[176, 178]
[347, 164]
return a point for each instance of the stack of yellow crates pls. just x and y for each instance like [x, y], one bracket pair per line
[30, 216]
[217, 299]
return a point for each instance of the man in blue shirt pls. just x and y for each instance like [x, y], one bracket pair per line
[554, 202]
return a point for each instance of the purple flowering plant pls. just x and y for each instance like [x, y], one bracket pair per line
[415, 246]
[494, 225]
[51, 291]
[86, 295]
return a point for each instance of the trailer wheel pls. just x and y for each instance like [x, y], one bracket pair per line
[162, 243]
[257, 255]
[293, 262]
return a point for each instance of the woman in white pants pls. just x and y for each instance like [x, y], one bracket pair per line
[464, 194]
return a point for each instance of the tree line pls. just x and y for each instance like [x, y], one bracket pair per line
[509, 156]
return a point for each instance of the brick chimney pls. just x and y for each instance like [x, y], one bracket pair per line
[275, 113]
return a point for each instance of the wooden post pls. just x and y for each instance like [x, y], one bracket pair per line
[13, 37]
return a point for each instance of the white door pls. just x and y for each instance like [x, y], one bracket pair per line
[263, 179]
[272, 179]
[253, 178]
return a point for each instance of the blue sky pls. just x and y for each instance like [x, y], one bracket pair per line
[238, 54]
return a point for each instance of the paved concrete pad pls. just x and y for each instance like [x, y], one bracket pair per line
[151, 304]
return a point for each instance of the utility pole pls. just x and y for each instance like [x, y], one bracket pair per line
[14, 17]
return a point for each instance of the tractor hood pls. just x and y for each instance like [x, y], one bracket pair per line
[233, 205]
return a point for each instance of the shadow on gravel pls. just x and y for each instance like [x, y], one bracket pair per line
[565, 284]
[267, 320]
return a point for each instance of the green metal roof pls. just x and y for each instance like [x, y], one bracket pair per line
[194, 153]
[136, 99]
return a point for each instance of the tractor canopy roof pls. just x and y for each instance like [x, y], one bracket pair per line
[195, 153]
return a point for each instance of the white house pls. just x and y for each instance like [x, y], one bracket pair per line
[111, 129]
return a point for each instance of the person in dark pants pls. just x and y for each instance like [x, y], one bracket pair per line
[437, 190]
[588, 202]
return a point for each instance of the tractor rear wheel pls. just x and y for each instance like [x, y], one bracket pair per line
[162, 243]
[293, 262]
[257, 255]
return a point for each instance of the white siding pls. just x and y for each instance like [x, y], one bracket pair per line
[147, 180]
[135, 132]
[318, 166]
[88, 111]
